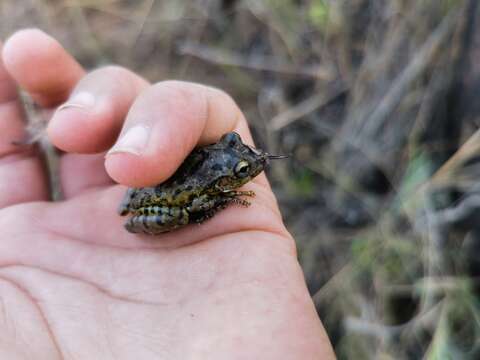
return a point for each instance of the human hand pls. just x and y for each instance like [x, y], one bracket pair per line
[75, 284]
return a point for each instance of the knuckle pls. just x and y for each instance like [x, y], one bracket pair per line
[187, 100]
[112, 74]
[113, 70]
[178, 89]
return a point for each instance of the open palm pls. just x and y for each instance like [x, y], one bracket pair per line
[75, 284]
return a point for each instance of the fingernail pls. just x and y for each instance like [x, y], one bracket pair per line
[134, 141]
[81, 100]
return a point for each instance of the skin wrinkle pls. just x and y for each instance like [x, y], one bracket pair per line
[3, 312]
[115, 295]
[125, 297]
[56, 236]
[40, 311]
[127, 329]
[78, 277]
[15, 156]
[108, 339]
[39, 302]
[82, 280]
[43, 226]
[93, 286]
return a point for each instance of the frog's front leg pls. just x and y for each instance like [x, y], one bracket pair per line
[205, 206]
[202, 203]
[215, 205]
[157, 219]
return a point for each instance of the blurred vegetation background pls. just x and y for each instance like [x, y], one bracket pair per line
[378, 104]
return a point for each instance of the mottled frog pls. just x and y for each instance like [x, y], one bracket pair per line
[205, 183]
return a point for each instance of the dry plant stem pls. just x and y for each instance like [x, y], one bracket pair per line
[385, 332]
[435, 264]
[142, 19]
[331, 285]
[36, 130]
[417, 66]
[450, 172]
[450, 169]
[257, 63]
[305, 107]
[371, 126]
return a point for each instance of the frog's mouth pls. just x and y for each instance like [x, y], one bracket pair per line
[226, 184]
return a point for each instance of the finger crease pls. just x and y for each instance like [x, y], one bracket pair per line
[36, 304]
[14, 155]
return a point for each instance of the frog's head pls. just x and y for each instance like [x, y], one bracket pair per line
[241, 162]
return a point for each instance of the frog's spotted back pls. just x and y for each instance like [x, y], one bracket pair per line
[204, 184]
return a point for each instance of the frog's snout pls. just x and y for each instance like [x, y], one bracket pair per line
[275, 157]
[267, 157]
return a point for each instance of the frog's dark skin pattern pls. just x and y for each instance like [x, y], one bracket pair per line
[203, 185]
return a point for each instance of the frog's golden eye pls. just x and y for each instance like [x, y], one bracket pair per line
[242, 168]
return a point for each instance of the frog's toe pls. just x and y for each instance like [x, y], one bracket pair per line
[249, 193]
[135, 224]
[123, 210]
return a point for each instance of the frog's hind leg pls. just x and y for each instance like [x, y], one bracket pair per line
[155, 220]
[202, 216]
[124, 207]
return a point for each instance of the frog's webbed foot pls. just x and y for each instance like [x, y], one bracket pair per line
[241, 202]
[156, 220]
[233, 195]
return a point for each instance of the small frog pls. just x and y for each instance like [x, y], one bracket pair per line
[205, 183]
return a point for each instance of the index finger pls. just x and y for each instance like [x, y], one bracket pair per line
[164, 125]
[54, 71]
